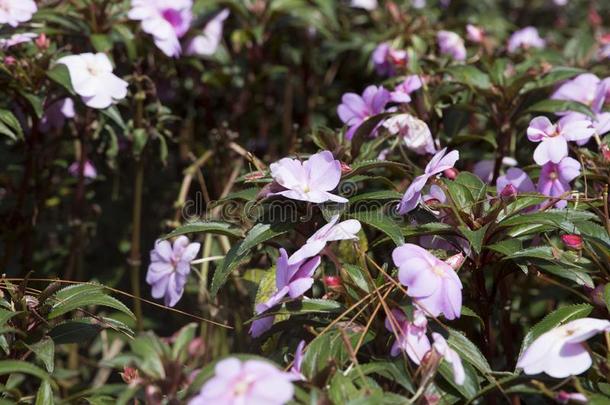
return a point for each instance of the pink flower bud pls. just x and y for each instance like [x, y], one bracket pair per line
[332, 281]
[451, 173]
[605, 150]
[130, 375]
[42, 42]
[456, 261]
[345, 168]
[508, 192]
[564, 397]
[572, 241]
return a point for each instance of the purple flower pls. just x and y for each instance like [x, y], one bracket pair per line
[451, 44]
[16, 39]
[560, 352]
[411, 336]
[582, 88]
[525, 38]
[435, 195]
[385, 58]
[415, 133]
[402, 92]
[298, 362]
[517, 179]
[554, 138]
[248, 382]
[13, 12]
[207, 42]
[89, 172]
[555, 178]
[354, 109]
[439, 163]
[55, 114]
[433, 283]
[441, 347]
[169, 268]
[474, 34]
[310, 180]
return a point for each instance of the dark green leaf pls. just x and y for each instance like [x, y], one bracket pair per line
[45, 352]
[215, 227]
[74, 332]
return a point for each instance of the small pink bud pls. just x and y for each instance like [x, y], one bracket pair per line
[456, 261]
[605, 150]
[571, 241]
[509, 192]
[564, 397]
[130, 375]
[42, 42]
[9, 60]
[332, 281]
[345, 168]
[196, 347]
[451, 173]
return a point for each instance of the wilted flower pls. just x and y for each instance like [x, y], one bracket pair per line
[411, 336]
[55, 114]
[92, 79]
[402, 92]
[355, 109]
[310, 180]
[415, 133]
[89, 171]
[451, 44]
[16, 39]
[572, 241]
[555, 179]
[169, 268]
[554, 138]
[364, 4]
[386, 58]
[430, 281]
[208, 41]
[442, 348]
[517, 179]
[298, 362]
[166, 20]
[525, 38]
[13, 12]
[249, 382]
[474, 34]
[560, 352]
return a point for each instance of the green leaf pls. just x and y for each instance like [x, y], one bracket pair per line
[468, 351]
[61, 75]
[470, 387]
[149, 350]
[45, 394]
[301, 307]
[475, 238]
[554, 76]
[381, 221]
[45, 352]
[101, 42]
[184, 337]
[5, 316]
[366, 166]
[22, 367]
[607, 296]
[34, 101]
[376, 195]
[10, 125]
[74, 332]
[114, 115]
[215, 227]
[364, 131]
[555, 106]
[470, 76]
[83, 295]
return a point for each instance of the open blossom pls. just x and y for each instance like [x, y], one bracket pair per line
[386, 58]
[411, 336]
[415, 132]
[310, 180]
[89, 171]
[517, 179]
[474, 34]
[525, 38]
[332, 231]
[560, 352]
[451, 44]
[13, 12]
[92, 79]
[169, 268]
[438, 164]
[402, 92]
[207, 42]
[16, 39]
[166, 20]
[430, 281]
[555, 178]
[56, 113]
[582, 88]
[554, 138]
[248, 382]
[441, 347]
[355, 109]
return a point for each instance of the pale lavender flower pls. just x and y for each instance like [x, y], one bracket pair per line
[582, 88]
[441, 347]
[412, 337]
[415, 132]
[560, 352]
[435, 195]
[248, 382]
[16, 39]
[433, 283]
[355, 109]
[55, 114]
[474, 34]
[89, 171]
[207, 43]
[525, 38]
[298, 362]
[169, 267]
[451, 44]
[386, 58]
[310, 180]
[402, 92]
[438, 164]
[517, 179]
[555, 178]
[600, 121]
[484, 169]
[14, 12]
[554, 138]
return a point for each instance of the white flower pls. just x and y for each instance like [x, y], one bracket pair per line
[365, 4]
[208, 41]
[92, 79]
[417, 135]
[13, 12]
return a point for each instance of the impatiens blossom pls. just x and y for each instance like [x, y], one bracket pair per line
[560, 352]
[582, 88]
[554, 138]
[555, 178]
[89, 171]
[402, 92]
[600, 121]
[169, 268]
[474, 34]
[411, 336]
[55, 115]
[438, 164]
[355, 109]
[92, 79]
[364, 4]
[386, 58]
[13, 12]
[430, 281]
[451, 44]
[517, 179]
[16, 39]
[207, 43]
[415, 132]
[332, 231]
[310, 180]
[166, 20]
[441, 347]
[248, 382]
[525, 38]
[298, 362]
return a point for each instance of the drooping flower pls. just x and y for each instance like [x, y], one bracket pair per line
[386, 58]
[169, 268]
[415, 132]
[364, 4]
[555, 178]
[55, 114]
[430, 281]
[554, 138]
[14, 12]
[474, 34]
[438, 164]
[412, 337]
[89, 171]
[451, 44]
[207, 43]
[525, 38]
[517, 179]
[16, 39]
[332, 231]
[441, 347]
[166, 20]
[560, 352]
[248, 382]
[92, 79]
[310, 180]
[298, 362]
[402, 92]
[355, 109]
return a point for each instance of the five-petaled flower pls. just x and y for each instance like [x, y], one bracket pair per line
[555, 179]
[14, 12]
[525, 38]
[451, 44]
[554, 138]
[355, 110]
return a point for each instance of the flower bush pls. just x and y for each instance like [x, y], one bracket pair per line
[305, 201]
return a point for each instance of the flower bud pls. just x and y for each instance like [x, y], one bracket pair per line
[451, 173]
[605, 150]
[130, 375]
[456, 261]
[509, 192]
[345, 168]
[572, 241]
[332, 281]
[42, 42]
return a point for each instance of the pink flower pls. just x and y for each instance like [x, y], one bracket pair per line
[386, 58]
[207, 43]
[525, 38]
[355, 109]
[564, 397]
[441, 347]
[555, 179]
[554, 138]
[438, 164]
[310, 180]
[560, 352]
[412, 337]
[16, 39]
[92, 79]
[517, 179]
[298, 362]
[13, 12]
[430, 281]
[402, 92]
[248, 382]
[169, 268]
[166, 20]
[415, 132]
[451, 44]
[474, 34]
[89, 171]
